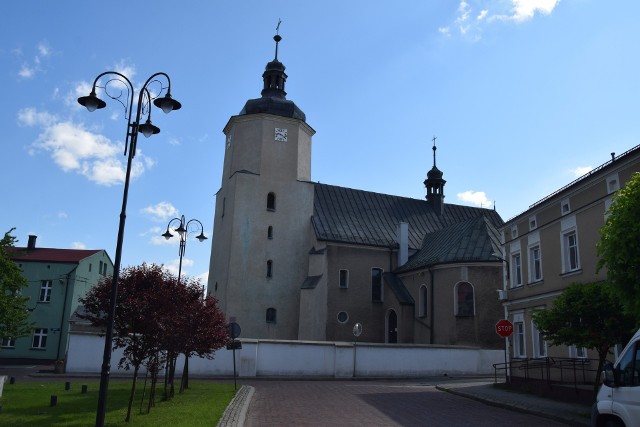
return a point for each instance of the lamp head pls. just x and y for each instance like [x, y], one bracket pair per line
[167, 234]
[91, 102]
[167, 104]
[201, 237]
[148, 129]
[181, 230]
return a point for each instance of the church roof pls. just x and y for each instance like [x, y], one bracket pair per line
[474, 239]
[362, 217]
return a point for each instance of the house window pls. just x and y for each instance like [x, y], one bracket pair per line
[271, 315]
[516, 273]
[89, 267]
[376, 284]
[102, 268]
[422, 302]
[464, 299]
[39, 338]
[514, 232]
[565, 207]
[532, 223]
[343, 317]
[45, 291]
[519, 348]
[535, 264]
[539, 344]
[270, 232]
[271, 202]
[570, 251]
[8, 342]
[613, 184]
[577, 352]
[269, 269]
[344, 279]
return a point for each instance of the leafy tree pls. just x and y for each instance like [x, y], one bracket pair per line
[156, 319]
[586, 315]
[13, 306]
[619, 246]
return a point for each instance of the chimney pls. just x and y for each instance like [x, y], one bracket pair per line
[403, 243]
[32, 241]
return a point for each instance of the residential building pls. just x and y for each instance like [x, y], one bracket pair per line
[56, 279]
[302, 260]
[552, 245]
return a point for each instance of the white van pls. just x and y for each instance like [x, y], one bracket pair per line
[618, 401]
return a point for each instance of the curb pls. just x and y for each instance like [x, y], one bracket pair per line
[236, 412]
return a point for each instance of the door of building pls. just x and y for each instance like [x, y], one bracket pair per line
[392, 327]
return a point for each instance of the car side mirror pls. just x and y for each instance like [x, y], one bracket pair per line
[608, 375]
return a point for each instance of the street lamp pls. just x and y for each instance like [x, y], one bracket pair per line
[183, 231]
[113, 88]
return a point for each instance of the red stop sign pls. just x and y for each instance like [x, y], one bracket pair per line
[504, 328]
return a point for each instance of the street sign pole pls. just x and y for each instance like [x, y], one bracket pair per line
[504, 328]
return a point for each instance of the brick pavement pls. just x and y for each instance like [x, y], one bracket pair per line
[393, 403]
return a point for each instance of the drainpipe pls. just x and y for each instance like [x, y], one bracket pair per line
[64, 310]
[432, 305]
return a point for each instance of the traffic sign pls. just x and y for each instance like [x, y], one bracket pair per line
[504, 328]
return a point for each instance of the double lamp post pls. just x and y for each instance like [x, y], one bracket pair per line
[114, 87]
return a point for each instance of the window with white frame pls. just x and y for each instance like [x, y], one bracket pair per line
[344, 279]
[422, 302]
[571, 261]
[565, 207]
[45, 291]
[539, 344]
[535, 264]
[8, 342]
[39, 338]
[533, 223]
[577, 352]
[516, 270]
[514, 231]
[613, 183]
[519, 344]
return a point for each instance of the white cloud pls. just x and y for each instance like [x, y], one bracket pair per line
[29, 70]
[526, 9]
[74, 148]
[26, 72]
[44, 49]
[78, 245]
[173, 266]
[581, 170]
[62, 215]
[476, 198]
[161, 211]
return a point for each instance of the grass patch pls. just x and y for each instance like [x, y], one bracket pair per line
[28, 404]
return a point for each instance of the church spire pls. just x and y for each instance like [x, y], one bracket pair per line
[435, 184]
[274, 76]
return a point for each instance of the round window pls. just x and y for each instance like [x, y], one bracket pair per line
[343, 317]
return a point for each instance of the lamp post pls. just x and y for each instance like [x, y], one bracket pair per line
[114, 89]
[183, 232]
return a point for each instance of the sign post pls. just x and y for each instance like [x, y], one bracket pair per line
[234, 332]
[504, 328]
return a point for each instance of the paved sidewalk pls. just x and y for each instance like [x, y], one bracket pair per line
[481, 390]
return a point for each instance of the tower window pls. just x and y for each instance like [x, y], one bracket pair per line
[269, 269]
[271, 315]
[344, 279]
[271, 202]
[270, 232]
[376, 284]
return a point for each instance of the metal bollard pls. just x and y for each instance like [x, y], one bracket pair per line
[84, 389]
[67, 385]
[54, 400]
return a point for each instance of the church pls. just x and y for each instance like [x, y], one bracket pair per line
[294, 259]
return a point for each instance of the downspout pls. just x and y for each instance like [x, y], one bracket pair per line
[64, 311]
[432, 305]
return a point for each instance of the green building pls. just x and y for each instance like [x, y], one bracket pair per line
[57, 279]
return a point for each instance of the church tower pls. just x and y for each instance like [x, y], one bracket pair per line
[261, 227]
[435, 185]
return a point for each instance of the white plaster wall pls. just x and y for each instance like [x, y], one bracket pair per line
[276, 358]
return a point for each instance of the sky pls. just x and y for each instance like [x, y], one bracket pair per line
[523, 96]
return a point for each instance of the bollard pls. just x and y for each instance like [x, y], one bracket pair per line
[54, 400]
[67, 385]
[84, 389]
[12, 380]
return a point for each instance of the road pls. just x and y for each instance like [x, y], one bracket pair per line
[373, 403]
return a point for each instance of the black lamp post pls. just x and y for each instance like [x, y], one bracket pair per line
[115, 84]
[183, 231]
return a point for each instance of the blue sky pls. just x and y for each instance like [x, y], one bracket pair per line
[523, 96]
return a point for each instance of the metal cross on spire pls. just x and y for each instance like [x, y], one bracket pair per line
[277, 37]
[434, 150]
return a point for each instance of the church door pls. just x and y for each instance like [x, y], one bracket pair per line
[392, 327]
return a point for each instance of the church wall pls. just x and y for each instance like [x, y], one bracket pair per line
[356, 299]
[313, 302]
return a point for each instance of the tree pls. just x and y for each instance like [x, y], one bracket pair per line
[13, 306]
[619, 246]
[586, 315]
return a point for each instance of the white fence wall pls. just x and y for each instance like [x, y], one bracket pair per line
[270, 358]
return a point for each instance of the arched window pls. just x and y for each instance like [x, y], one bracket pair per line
[422, 302]
[376, 284]
[465, 305]
[271, 202]
[270, 232]
[271, 315]
[269, 269]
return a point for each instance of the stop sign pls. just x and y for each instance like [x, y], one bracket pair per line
[504, 328]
